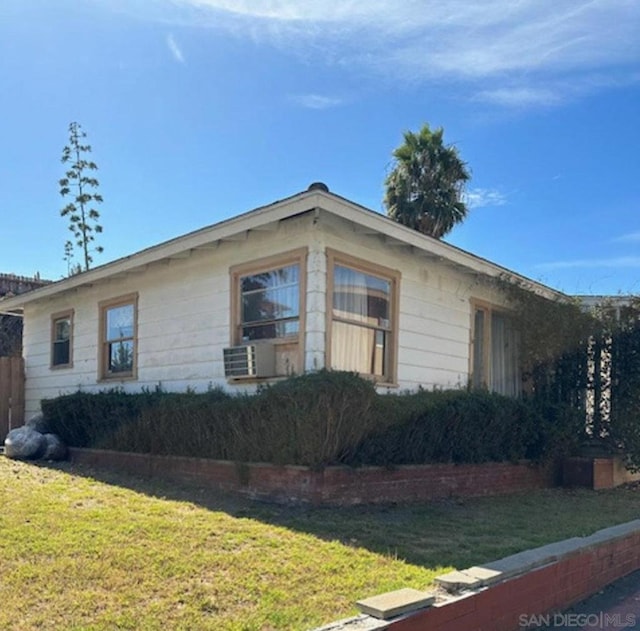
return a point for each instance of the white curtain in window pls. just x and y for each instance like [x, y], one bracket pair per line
[361, 317]
[505, 356]
[479, 379]
[353, 348]
[350, 294]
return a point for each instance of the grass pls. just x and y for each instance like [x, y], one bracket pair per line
[88, 550]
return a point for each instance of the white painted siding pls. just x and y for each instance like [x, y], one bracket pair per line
[435, 308]
[315, 334]
[183, 320]
[184, 313]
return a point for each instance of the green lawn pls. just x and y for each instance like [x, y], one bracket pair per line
[87, 550]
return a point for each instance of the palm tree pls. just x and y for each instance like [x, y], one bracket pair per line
[426, 185]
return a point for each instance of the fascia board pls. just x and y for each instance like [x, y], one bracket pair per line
[435, 248]
[227, 229]
[277, 211]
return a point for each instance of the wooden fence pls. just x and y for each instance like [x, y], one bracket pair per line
[11, 394]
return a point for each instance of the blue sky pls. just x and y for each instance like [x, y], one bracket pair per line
[198, 110]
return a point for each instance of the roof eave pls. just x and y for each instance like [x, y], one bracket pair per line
[174, 248]
[229, 229]
[435, 248]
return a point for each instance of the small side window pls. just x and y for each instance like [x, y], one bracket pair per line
[61, 339]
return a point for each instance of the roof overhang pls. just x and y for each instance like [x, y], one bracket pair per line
[267, 218]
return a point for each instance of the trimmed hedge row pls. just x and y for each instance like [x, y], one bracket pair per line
[317, 419]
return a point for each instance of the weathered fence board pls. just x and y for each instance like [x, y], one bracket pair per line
[11, 394]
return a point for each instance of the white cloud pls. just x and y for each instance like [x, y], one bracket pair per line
[315, 101]
[481, 197]
[630, 237]
[175, 49]
[523, 53]
[520, 96]
[620, 261]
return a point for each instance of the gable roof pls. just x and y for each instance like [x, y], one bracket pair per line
[317, 198]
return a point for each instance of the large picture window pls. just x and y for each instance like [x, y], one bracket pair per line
[61, 339]
[495, 351]
[362, 317]
[118, 324]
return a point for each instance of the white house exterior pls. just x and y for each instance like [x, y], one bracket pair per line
[318, 279]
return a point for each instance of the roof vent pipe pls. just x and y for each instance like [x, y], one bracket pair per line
[318, 186]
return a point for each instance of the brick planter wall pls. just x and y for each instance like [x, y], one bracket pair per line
[567, 577]
[334, 485]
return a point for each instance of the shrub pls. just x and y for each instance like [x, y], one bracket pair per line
[313, 419]
[316, 419]
[460, 426]
[84, 419]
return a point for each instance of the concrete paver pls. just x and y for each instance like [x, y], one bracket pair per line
[391, 604]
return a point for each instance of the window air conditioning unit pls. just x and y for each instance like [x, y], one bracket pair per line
[254, 360]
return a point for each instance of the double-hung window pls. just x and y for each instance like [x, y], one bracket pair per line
[495, 351]
[118, 344]
[268, 306]
[362, 310]
[61, 339]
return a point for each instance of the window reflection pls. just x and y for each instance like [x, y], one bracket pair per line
[270, 304]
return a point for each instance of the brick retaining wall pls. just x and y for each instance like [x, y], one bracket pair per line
[333, 485]
[585, 567]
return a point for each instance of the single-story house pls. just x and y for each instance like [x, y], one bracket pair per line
[304, 283]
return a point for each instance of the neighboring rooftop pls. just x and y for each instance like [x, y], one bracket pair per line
[12, 284]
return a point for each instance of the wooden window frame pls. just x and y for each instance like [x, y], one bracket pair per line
[292, 257]
[103, 344]
[335, 257]
[56, 317]
[489, 309]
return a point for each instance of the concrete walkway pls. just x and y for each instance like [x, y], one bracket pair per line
[615, 607]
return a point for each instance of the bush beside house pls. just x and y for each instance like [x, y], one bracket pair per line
[317, 419]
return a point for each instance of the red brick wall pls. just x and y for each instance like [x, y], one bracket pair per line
[333, 485]
[555, 587]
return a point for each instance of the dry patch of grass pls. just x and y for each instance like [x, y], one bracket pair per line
[79, 552]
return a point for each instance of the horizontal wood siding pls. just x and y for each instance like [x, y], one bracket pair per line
[435, 308]
[184, 314]
[183, 320]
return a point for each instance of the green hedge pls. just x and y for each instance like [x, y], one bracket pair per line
[317, 419]
[462, 426]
